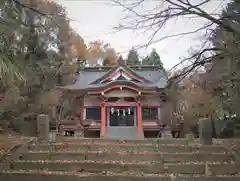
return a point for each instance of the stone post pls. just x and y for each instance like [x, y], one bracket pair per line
[52, 135]
[205, 131]
[166, 134]
[43, 129]
[79, 131]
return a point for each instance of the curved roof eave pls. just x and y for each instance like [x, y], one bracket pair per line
[104, 85]
[120, 83]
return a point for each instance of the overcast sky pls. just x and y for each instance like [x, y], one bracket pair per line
[95, 19]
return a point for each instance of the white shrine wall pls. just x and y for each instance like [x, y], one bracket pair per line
[91, 101]
[151, 100]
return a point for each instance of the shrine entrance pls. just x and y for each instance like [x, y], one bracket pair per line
[122, 116]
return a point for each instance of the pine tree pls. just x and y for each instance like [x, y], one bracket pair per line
[152, 59]
[133, 57]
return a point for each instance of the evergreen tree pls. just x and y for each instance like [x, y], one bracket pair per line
[152, 59]
[81, 62]
[133, 57]
[107, 62]
[225, 72]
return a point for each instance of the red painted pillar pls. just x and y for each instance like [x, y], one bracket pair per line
[103, 118]
[139, 119]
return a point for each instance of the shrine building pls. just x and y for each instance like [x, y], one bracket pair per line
[120, 102]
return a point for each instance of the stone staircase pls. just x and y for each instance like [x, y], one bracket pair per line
[74, 159]
[124, 133]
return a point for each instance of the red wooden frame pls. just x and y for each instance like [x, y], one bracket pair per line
[150, 106]
[139, 119]
[103, 119]
[120, 86]
[93, 107]
[121, 104]
[103, 105]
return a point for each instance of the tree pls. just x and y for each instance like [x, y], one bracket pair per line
[188, 101]
[199, 101]
[152, 59]
[99, 50]
[133, 57]
[77, 45]
[37, 35]
[81, 61]
[10, 70]
[164, 12]
[223, 77]
[219, 48]
[110, 57]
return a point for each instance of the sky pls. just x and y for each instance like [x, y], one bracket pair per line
[96, 19]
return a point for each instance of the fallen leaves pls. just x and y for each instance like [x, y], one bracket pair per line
[8, 142]
[87, 161]
[121, 152]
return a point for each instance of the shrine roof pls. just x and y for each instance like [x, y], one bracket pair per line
[91, 77]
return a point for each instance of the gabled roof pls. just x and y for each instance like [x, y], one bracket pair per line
[147, 77]
[122, 69]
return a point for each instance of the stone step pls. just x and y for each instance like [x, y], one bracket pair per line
[128, 156]
[201, 168]
[127, 146]
[63, 176]
[179, 141]
[123, 133]
[120, 166]
[88, 166]
[38, 176]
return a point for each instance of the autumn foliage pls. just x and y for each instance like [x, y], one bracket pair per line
[188, 101]
[98, 50]
[199, 102]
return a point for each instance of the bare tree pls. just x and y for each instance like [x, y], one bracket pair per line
[154, 19]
